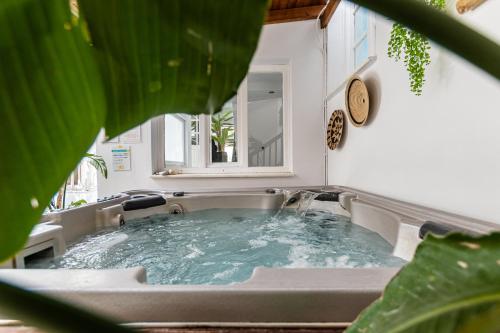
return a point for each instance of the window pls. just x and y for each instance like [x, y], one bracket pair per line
[195, 149]
[175, 148]
[249, 135]
[265, 119]
[223, 134]
[359, 38]
[354, 45]
[362, 36]
[361, 42]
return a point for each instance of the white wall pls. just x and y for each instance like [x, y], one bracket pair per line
[263, 119]
[295, 43]
[441, 149]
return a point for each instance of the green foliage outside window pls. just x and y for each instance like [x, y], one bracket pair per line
[223, 129]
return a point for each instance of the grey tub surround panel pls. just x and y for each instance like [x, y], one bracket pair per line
[287, 295]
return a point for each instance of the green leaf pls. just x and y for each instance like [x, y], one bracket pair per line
[51, 109]
[119, 63]
[64, 76]
[441, 28]
[98, 163]
[171, 56]
[450, 283]
[77, 203]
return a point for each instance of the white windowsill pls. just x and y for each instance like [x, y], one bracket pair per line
[226, 175]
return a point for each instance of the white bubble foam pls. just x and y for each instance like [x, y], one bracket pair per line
[225, 274]
[299, 255]
[112, 241]
[257, 243]
[196, 252]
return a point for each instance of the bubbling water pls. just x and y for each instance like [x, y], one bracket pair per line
[223, 246]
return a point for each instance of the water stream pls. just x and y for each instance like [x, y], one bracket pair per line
[305, 200]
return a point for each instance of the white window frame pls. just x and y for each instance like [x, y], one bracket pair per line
[241, 166]
[352, 43]
[348, 31]
[186, 120]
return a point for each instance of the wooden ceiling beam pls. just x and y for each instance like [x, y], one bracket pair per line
[328, 13]
[293, 14]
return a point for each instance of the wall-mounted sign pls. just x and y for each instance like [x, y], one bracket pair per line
[131, 136]
[121, 158]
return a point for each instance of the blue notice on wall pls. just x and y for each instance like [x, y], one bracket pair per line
[121, 158]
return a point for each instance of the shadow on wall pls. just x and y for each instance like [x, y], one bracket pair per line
[373, 85]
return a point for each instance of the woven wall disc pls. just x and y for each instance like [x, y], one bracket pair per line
[335, 128]
[357, 101]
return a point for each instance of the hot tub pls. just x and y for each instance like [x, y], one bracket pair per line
[296, 281]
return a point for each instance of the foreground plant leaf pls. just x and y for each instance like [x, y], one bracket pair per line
[51, 108]
[171, 56]
[452, 285]
[57, 90]
[441, 28]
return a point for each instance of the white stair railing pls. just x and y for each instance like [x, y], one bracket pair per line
[267, 154]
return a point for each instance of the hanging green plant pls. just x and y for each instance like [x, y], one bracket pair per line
[414, 48]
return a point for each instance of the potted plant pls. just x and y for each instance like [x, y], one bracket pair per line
[222, 134]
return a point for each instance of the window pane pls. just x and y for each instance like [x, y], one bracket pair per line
[360, 23]
[174, 139]
[223, 134]
[196, 151]
[361, 53]
[265, 119]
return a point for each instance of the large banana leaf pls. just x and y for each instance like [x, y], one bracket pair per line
[171, 56]
[51, 108]
[112, 64]
[65, 74]
[452, 285]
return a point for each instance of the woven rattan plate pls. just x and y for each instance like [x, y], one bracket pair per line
[357, 101]
[335, 128]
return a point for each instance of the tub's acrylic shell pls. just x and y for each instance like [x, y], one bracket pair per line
[286, 295]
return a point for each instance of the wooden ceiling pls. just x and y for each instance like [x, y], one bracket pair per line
[282, 11]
